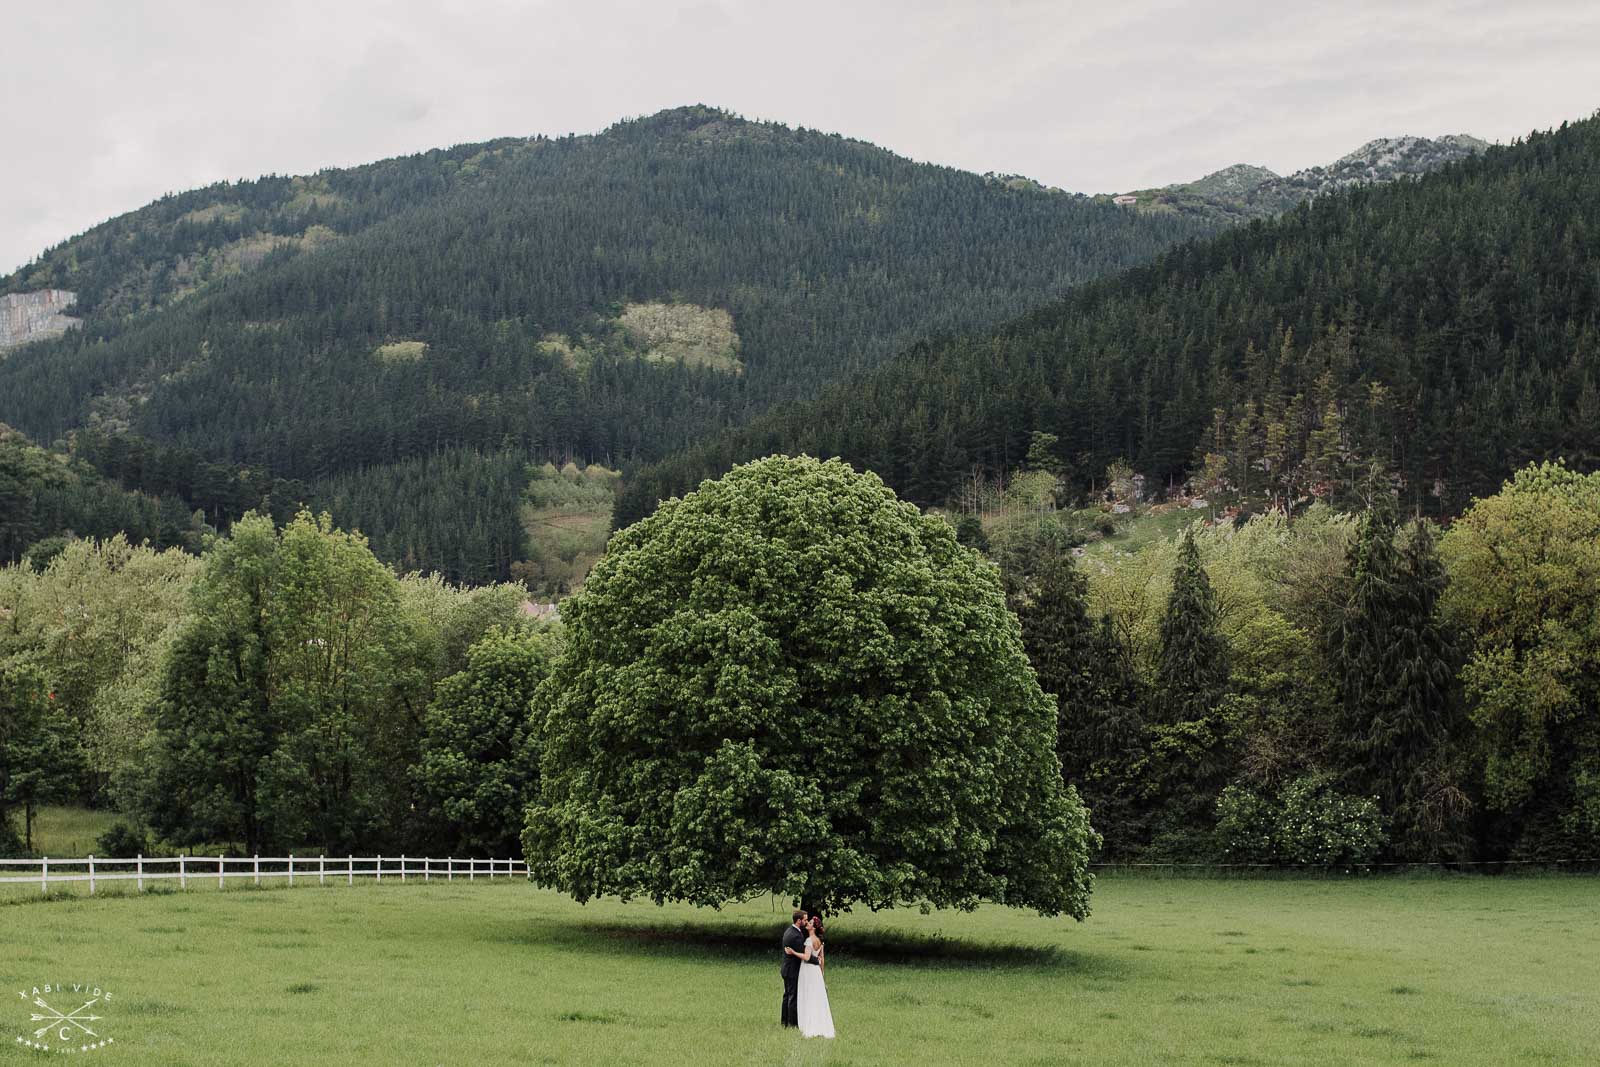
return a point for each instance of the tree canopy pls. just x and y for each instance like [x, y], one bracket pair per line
[791, 682]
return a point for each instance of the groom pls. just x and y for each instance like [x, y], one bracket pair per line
[794, 947]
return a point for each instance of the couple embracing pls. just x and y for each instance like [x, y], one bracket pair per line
[805, 996]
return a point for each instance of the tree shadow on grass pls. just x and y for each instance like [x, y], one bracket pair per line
[758, 943]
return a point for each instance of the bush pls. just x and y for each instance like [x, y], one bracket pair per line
[1308, 822]
[122, 840]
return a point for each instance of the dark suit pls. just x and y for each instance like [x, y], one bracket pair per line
[792, 938]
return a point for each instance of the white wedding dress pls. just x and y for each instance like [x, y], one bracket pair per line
[816, 1018]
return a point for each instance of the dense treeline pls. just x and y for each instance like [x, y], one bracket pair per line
[1333, 689]
[1445, 327]
[455, 513]
[47, 497]
[284, 688]
[830, 255]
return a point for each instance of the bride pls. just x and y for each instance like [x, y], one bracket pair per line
[816, 1019]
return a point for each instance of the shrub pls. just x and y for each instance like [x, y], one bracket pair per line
[1307, 822]
[122, 839]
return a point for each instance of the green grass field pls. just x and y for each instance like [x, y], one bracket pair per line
[1446, 970]
[68, 831]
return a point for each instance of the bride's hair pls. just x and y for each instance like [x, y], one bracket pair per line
[816, 926]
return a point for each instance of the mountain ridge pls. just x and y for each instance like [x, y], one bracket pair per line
[601, 298]
[1446, 329]
[1246, 191]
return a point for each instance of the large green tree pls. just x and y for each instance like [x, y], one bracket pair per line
[291, 702]
[39, 754]
[789, 681]
[1393, 662]
[1192, 668]
[480, 744]
[1525, 582]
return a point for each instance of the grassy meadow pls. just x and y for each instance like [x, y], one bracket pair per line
[1184, 971]
[63, 830]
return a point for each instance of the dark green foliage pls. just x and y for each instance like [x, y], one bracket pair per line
[1064, 648]
[290, 702]
[969, 531]
[1395, 668]
[1099, 700]
[830, 255]
[1192, 669]
[1307, 822]
[455, 512]
[791, 682]
[1445, 326]
[40, 758]
[46, 497]
[123, 839]
[479, 764]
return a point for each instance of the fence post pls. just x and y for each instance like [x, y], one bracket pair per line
[379, 869]
[258, 868]
[139, 870]
[472, 869]
[44, 876]
[91, 874]
[450, 869]
[322, 870]
[220, 874]
[352, 868]
[402, 866]
[291, 870]
[427, 868]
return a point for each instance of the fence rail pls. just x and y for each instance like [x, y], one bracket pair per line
[222, 869]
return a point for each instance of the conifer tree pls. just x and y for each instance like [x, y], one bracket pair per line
[1192, 670]
[1392, 659]
[1061, 643]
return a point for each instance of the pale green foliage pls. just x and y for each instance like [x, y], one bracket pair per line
[96, 622]
[448, 618]
[682, 333]
[1268, 566]
[657, 332]
[400, 352]
[567, 514]
[1032, 491]
[1524, 566]
[791, 682]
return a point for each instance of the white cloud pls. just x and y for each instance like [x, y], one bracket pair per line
[111, 104]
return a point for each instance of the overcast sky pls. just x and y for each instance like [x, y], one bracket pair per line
[110, 104]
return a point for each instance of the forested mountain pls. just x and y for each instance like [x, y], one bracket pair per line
[610, 298]
[1445, 327]
[826, 253]
[45, 495]
[1243, 192]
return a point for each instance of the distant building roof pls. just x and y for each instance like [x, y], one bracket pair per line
[540, 611]
[1125, 198]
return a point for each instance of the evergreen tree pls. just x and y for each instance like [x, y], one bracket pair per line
[1192, 666]
[1393, 662]
[1061, 644]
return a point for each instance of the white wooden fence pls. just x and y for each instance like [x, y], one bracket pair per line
[220, 869]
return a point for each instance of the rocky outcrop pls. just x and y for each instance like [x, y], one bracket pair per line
[1242, 192]
[27, 317]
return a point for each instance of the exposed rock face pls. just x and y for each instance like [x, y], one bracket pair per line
[29, 316]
